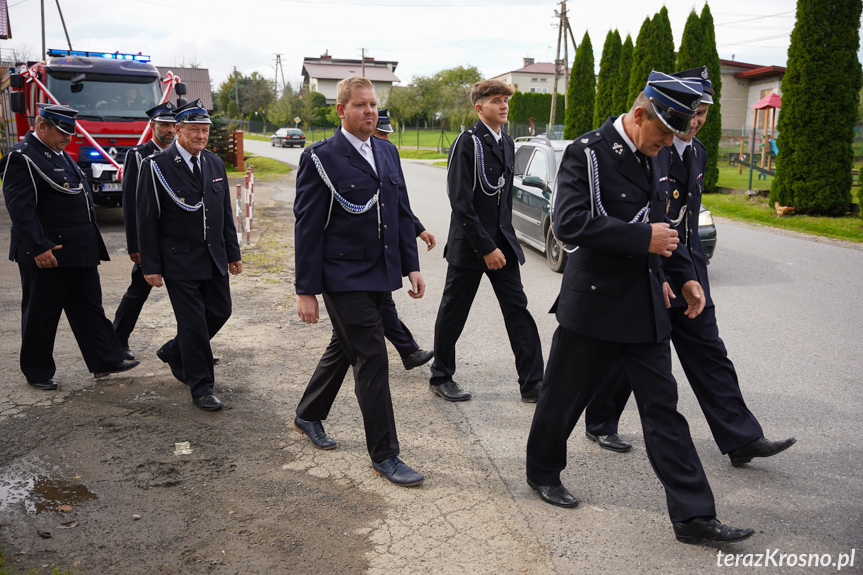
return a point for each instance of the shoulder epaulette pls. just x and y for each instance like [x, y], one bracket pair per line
[588, 138]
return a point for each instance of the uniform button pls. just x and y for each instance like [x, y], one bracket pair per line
[689, 194]
[385, 226]
[383, 206]
[341, 253]
[622, 195]
[352, 186]
[464, 224]
[386, 247]
[593, 288]
[650, 270]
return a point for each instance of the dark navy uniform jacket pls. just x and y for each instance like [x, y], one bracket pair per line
[352, 253]
[172, 240]
[479, 223]
[689, 188]
[612, 286]
[134, 157]
[42, 216]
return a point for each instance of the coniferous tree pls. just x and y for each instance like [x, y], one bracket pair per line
[608, 70]
[662, 42]
[582, 92]
[641, 64]
[690, 54]
[819, 107]
[711, 133]
[621, 87]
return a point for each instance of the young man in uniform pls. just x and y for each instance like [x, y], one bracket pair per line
[699, 348]
[162, 125]
[355, 241]
[610, 202]
[482, 241]
[187, 236]
[57, 245]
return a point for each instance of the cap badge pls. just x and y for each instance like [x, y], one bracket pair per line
[704, 73]
[676, 194]
[585, 140]
[618, 148]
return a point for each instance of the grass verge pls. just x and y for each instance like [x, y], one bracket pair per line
[265, 168]
[756, 210]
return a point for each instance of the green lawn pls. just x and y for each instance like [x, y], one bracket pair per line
[265, 168]
[426, 138]
[729, 178]
[755, 209]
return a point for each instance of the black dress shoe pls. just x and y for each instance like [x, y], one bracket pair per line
[176, 367]
[127, 354]
[554, 494]
[703, 529]
[450, 391]
[119, 368]
[611, 442]
[532, 394]
[216, 359]
[314, 430]
[208, 402]
[46, 384]
[398, 472]
[761, 447]
[417, 358]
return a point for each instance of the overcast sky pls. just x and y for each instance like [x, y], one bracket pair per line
[423, 36]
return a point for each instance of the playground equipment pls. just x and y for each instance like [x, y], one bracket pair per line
[767, 142]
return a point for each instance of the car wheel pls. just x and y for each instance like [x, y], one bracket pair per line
[554, 252]
[273, 143]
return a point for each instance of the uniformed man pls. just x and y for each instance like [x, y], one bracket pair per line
[395, 330]
[610, 202]
[187, 237]
[355, 241]
[699, 348]
[482, 241]
[162, 125]
[57, 245]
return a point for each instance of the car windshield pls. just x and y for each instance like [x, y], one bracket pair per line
[108, 98]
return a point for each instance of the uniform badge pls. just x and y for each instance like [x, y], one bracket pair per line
[178, 159]
[65, 184]
[618, 148]
[667, 205]
[585, 140]
[48, 155]
[675, 194]
[183, 200]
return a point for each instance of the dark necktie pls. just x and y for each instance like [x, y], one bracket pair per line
[687, 158]
[645, 165]
[196, 171]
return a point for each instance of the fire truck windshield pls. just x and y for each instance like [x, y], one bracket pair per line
[106, 98]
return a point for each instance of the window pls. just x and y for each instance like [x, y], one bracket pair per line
[522, 155]
[538, 166]
[539, 90]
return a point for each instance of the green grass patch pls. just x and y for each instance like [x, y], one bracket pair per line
[265, 168]
[729, 178]
[257, 137]
[414, 154]
[756, 210]
[409, 139]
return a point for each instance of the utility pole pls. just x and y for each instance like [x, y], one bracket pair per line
[364, 61]
[44, 51]
[63, 21]
[279, 67]
[562, 28]
[236, 92]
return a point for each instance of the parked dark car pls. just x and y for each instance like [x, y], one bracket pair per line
[536, 161]
[288, 137]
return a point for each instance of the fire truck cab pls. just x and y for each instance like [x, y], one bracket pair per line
[111, 92]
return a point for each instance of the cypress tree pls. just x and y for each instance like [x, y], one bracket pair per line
[621, 87]
[690, 54]
[662, 42]
[819, 107]
[641, 64]
[711, 133]
[582, 92]
[516, 108]
[608, 70]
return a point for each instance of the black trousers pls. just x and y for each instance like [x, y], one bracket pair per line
[711, 374]
[358, 342]
[577, 365]
[394, 330]
[201, 308]
[76, 291]
[458, 295]
[131, 305]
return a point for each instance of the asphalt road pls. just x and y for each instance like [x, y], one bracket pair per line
[790, 311]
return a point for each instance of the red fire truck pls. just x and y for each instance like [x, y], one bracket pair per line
[111, 92]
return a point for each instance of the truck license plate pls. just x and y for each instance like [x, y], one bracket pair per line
[112, 187]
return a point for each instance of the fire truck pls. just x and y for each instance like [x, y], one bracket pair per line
[111, 92]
